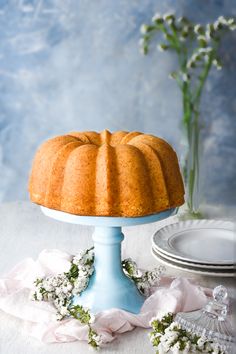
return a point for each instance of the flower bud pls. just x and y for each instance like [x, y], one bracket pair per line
[222, 20]
[217, 64]
[191, 64]
[217, 26]
[202, 41]
[162, 47]
[173, 75]
[144, 29]
[183, 20]
[198, 29]
[169, 18]
[157, 18]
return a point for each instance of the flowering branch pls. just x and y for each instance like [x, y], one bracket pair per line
[60, 289]
[196, 47]
[143, 280]
[168, 336]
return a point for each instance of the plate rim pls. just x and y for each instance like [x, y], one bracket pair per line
[193, 271]
[194, 265]
[169, 230]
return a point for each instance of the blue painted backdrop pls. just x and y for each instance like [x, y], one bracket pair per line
[75, 65]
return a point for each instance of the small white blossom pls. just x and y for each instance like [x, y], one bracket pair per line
[174, 338]
[216, 25]
[185, 77]
[216, 63]
[201, 341]
[63, 310]
[97, 339]
[222, 20]
[169, 18]
[172, 76]
[39, 296]
[176, 348]
[230, 21]
[167, 15]
[197, 28]
[202, 38]
[144, 29]
[156, 17]
[92, 318]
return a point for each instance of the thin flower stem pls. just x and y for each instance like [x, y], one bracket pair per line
[203, 78]
[196, 47]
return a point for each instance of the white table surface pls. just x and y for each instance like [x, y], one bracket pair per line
[25, 232]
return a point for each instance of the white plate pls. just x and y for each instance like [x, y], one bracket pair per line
[198, 241]
[192, 270]
[211, 267]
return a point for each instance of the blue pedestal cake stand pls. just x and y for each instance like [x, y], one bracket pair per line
[108, 287]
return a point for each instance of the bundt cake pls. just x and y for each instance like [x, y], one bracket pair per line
[104, 174]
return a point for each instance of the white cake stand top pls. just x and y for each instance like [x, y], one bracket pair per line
[108, 221]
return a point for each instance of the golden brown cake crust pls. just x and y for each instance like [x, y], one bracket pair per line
[104, 174]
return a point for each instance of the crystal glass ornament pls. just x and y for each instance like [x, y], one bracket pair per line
[212, 321]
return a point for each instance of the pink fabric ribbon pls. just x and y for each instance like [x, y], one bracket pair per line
[171, 295]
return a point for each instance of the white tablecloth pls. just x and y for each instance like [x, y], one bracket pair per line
[25, 231]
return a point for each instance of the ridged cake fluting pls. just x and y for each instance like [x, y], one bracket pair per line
[104, 174]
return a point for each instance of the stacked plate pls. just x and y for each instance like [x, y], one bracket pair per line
[206, 247]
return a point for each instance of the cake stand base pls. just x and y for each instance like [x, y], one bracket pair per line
[108, 287]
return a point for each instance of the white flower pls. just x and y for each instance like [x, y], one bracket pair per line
[176, 348]
[92, 318]
[48, 286]
[39, 296]
[59, 316]
[217, 64]
[167, 15]
[54, 282]
[50, 297]
[156, 17]
[174, 325]
[201, 341]
[202, 38]
[208, 347]
[208, 31]
[222, 20]
[66, 289]
[216, 348]
[185, 77]
[63, 310]
[97, 338]
[169, 18]
[206, 50]
[144, 29]
[216, 25]
[231, 21]
[189, 64]
[160, 48]
[172, 76]
[82, 272]
[197, 28]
